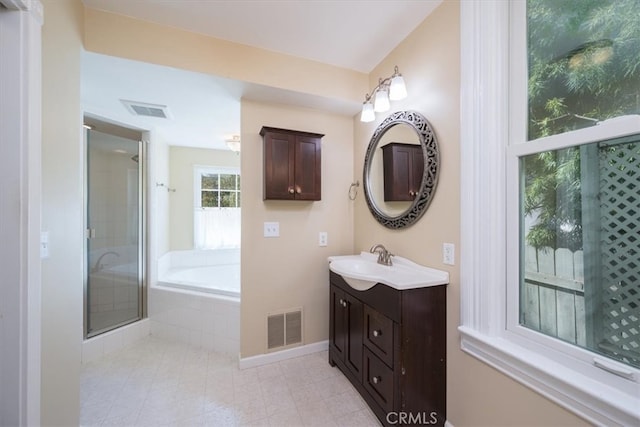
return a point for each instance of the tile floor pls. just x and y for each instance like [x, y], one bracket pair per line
[159, 383]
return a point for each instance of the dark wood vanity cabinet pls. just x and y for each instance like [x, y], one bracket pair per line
[403, 166]
[346, 335]
[391, 345]
[292, 164]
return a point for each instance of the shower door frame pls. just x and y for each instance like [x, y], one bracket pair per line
[95, 124]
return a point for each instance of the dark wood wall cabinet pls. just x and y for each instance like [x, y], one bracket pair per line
[403, 169]
[391, 345]
[292, 164]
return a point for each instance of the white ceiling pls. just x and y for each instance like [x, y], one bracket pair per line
[204, 110]
[353, 34]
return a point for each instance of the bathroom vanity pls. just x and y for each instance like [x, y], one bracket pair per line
[391, 344]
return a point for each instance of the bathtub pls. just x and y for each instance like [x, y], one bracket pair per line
[210, 271]
[196, 299]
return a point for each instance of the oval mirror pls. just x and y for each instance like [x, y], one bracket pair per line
[401, 169]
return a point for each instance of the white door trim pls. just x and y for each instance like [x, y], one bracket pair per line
[20, 188]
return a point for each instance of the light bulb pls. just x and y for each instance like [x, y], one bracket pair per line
[367, 112]
[381, 103]
[397, 90]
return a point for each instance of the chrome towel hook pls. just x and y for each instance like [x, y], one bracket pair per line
[161, 184]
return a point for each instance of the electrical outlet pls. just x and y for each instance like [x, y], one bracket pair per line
[271, 229]
[322, 238]
[448, 253]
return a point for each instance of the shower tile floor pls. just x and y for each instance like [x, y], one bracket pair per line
[160, 383]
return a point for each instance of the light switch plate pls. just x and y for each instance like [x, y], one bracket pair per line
[271, 229]
[448, 253]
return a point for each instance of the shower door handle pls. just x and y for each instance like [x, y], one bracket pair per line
[90, 233]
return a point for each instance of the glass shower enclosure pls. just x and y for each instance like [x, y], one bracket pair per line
[114, 267]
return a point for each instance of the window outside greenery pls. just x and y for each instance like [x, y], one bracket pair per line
[580, 278]
[584, 63]
[220, 190]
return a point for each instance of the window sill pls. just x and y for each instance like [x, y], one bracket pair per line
[596, 402]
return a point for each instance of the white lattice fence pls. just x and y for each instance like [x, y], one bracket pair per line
[620, 249]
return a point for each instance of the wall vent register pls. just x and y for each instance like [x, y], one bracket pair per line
[284, 329]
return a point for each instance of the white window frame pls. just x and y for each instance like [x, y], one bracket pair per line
[489, 274]
[198, 170]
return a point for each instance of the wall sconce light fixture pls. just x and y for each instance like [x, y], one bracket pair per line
[392, 88]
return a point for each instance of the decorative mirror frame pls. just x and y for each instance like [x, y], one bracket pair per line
[430, 172]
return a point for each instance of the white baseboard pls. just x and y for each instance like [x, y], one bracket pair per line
[265, 359]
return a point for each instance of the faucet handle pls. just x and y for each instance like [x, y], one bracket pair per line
[387, 258]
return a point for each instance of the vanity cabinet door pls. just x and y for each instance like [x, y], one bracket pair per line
[403, 166]
[292, 165]
[338, 322]
[345, 331]
[353, 355]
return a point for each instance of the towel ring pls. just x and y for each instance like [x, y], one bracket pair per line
[353, 190]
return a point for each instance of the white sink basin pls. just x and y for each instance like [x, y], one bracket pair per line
[362, 272]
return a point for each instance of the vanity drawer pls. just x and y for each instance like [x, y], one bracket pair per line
[378, 334]
[378, 380]
[384, 299]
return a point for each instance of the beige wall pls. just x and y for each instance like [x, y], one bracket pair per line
[181, 163]
[130, 38]
[291, 271]
[429, 60]
[62, 212]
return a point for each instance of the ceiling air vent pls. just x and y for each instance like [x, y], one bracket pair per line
[147, 110]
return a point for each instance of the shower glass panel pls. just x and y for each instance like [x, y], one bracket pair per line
[113, 279]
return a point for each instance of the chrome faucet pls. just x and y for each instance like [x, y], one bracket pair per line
[384, 256]
[98, 266]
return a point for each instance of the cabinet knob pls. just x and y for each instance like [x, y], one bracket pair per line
[291, 190]
[376, 380]
[344, 303]
[341, 301]
[377, 333]
[298, 189]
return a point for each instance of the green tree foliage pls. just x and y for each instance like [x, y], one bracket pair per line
[584, 67]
